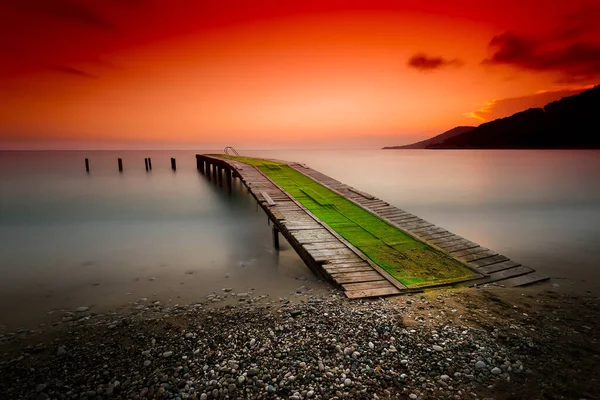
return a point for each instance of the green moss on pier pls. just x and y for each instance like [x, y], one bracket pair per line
[409, 260]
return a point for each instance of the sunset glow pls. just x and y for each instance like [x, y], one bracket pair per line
[342, 74]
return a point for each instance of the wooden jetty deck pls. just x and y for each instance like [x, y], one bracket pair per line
[329, 255]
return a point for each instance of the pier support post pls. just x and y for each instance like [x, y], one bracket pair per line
[199, 163]
[173, 164]
[87, 165]
[228, 174]
[214, 172]
[120, 163]
[275, 238]
[220, 175]
[149, 163]
[146, 163]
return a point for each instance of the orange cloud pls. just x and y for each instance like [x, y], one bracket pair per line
[500, 108]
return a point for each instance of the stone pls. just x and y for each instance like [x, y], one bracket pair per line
[437, 348]
[347, 382]
[167, 354]
[147, 363]
[61, 351]
[82, 309]
[40, 387]
[479, 364]
[496, 371]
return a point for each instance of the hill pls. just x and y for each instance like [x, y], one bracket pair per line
[572, 122]
[436, 139]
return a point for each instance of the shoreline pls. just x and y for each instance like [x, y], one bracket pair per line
[489, 342]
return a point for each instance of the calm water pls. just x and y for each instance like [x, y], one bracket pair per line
[69, 239]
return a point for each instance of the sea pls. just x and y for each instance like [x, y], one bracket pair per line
[106, 239]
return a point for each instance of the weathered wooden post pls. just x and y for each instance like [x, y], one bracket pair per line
[221, 170]
[146, 163]
[87, 165]
[275, 238]
[150, 163]
[199, 163]
[120, 162]
[173, 164]
[228, 178]
[214, 170]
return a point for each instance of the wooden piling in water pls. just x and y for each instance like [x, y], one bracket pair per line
[146, 163]
[228, 174]
[214, 171]
[173, 164]
[275, 238]
[199, 163]
[221, 170]
[87, 165]
[120, 163]
[149, 163]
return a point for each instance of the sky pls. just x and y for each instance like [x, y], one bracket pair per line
[273, 74]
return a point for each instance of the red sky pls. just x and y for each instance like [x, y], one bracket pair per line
[262, 74]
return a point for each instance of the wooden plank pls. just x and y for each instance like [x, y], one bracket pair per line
[405, 218]
[293, 227]
[472, 250]
[446, 240]
[366, 285]
[498, 267]
[363, 194]
[415, 226]
[378, 292]
[307, 240]
[339, 270]
[500, 275]
[461, 245]
[437, 235]
[487, 261]
[430, 230]
[323, 246]
[339, 263]
[524, 280]
[356, 277]
[478, 256]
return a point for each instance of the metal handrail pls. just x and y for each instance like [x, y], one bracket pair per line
[233, 151]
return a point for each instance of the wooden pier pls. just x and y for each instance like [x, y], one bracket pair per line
[329, 255]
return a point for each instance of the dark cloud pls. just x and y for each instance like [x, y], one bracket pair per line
[423, 62]
[72, 71]
[572, 48]
[70, 10]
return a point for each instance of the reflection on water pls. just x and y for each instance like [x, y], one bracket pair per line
[69, 239]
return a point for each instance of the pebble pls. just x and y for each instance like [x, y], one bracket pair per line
[496, 371]
[216, 353]
[82, 309]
